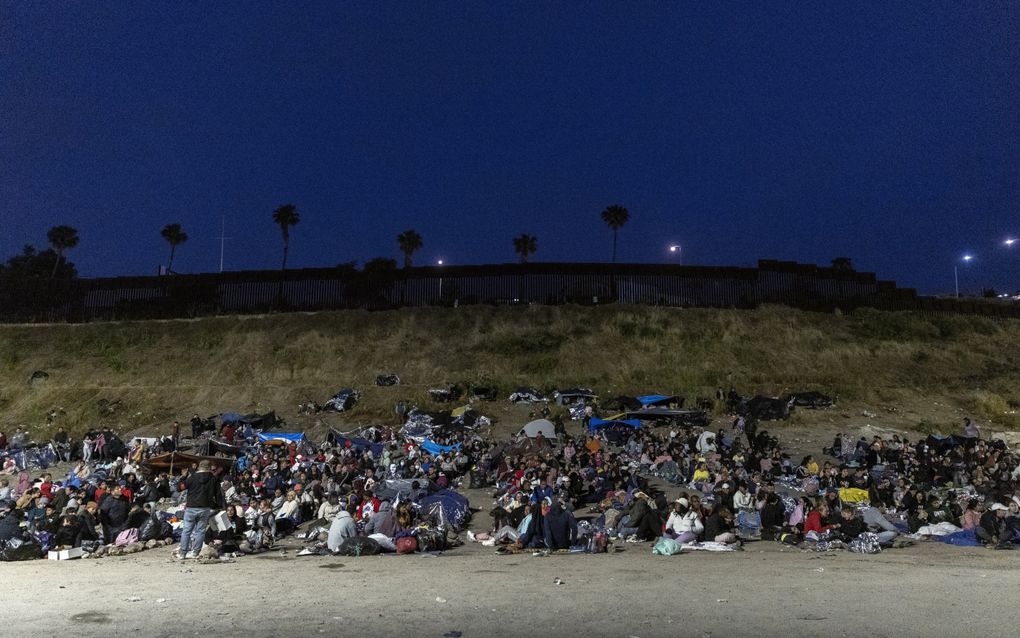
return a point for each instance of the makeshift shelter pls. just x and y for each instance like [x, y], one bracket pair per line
[255, 420]
[174, 461]
[573, 395]
[687, 418]
[387, 380]
[446, 508]
[660, 400]
[765, 409]
[281, 438]
[356, 443]
[544, 427]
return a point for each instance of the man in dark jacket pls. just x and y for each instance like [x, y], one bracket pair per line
[204, 497]
[643, 521]
[113, 513]
[560, 528]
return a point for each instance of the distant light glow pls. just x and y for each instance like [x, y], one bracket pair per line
[439, 262]
[1010, 242]
[674, 248]
[968, 257]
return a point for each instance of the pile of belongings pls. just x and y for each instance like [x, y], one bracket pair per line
[343, 400]
[387, 380]
[578, 411]
[527, 395]
[574, 395]
[765, 409]
[451, 392]
[811, 400]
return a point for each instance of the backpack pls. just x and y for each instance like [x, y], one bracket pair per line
[126, 537]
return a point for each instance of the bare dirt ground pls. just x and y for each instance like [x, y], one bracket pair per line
[767, 589]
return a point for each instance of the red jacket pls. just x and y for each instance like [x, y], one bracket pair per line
[813, 523]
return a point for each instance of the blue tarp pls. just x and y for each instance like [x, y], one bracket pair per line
[434, 448]
[598, 424]
[296, 437]
[230, 417]
[966, 538]
[653, 399]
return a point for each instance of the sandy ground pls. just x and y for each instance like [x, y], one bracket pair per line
[766, 590]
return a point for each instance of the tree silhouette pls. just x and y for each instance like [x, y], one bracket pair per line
[61, 238]
[843, 264]
[285, 216]
[525, 245]
[174, 236]
[409, 242]
[615, 217]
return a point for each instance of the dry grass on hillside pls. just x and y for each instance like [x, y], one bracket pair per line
[164, 370]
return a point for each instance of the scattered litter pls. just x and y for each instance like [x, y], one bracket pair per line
[820, 570]
[161, 600]
[440, 600]
[452, 634]
[558, 581]
[722, 600]
[133, 599]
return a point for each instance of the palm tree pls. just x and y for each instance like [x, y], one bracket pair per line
[61, 238]
[525, 245]
[409, 241]
[174, 236]
[615, 217]
[285, 216]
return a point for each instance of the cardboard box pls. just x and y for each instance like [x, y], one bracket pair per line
[220, 522]
[65, 554]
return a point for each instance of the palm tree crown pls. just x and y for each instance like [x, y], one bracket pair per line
[286, 216]
[409, 242]
[525, 245]
[174, 236]
[615, 217]
[61, 238]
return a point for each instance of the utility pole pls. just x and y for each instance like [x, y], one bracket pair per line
[223, 238]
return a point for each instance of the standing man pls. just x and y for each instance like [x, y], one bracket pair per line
[175, 433]
[204, 497]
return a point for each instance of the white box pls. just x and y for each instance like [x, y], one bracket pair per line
[220, 522]
[65, 554]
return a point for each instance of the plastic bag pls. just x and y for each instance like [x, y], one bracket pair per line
[16, 549]
[666, 547]
[359, 546]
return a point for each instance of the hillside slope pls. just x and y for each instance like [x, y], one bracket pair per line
[153, 372]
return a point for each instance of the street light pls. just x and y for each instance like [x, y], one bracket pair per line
[956, 273]
[677, 250]
[1010, 242]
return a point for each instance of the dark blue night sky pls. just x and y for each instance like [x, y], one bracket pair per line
[886, 132]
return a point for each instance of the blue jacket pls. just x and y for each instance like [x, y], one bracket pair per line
[560, 528]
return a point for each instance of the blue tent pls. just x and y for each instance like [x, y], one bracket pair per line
[446, 507]
[600, 424]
